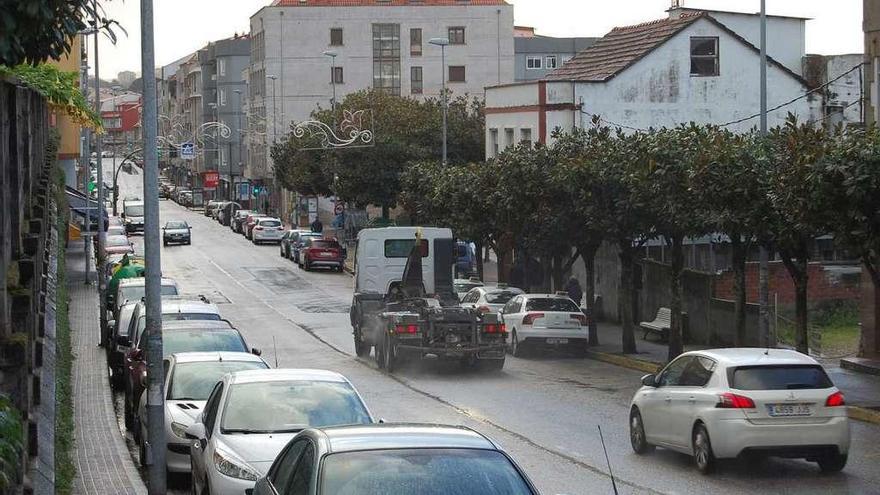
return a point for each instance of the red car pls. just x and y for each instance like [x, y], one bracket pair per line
[317, 252]
[117, 244]
[249, 223]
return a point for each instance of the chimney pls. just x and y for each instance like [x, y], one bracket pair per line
[676, 9]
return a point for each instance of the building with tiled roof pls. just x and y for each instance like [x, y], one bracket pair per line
[687, 67]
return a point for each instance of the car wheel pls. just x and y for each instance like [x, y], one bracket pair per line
[129, 415]
[306, 266]
[189, 242]
[142, 452]
[637, 437]
[579, 348]
[832, 463]
[517, 349]
[703, 456]
[165, 243]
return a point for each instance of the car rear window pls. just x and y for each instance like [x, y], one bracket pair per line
[785, 377]
[270, 223]
[500, 297]
[325, 244]
[202, 341]
[400, 248]
[552, 304]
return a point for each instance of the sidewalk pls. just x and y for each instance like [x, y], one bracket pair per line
[862, 391]
[103, 463]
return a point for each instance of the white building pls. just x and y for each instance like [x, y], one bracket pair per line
[377, 44]
[688, 67]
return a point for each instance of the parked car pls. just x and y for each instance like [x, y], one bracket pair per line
[133, 213]
[189, 379]
[106, 154]
[132, 290]
[117, 244]
[723, 403]
[251, 222]
[238, 218]
[177, 232]
[119, 342]
[490, 299]
[545, 321]
[211, 207]
[284, 245]
[462, 286]
[317, 252]
[403, 459]
[465, 259]
[267, 229]
[297, 244]
[251, 415]
[225, 214]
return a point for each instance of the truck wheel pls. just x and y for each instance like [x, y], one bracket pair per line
[468, 362]
[361, 348]
[389, 355]
[492, 364]
[380, 353]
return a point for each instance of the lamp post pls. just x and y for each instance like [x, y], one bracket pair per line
[764, 259]
[240, 139]
[442, 42]
[115, 147]
[332, 56]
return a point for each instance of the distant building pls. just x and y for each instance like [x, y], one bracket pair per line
[121, 116]
[125, 78]
[69, 148]
[536, 56]
[871, 26]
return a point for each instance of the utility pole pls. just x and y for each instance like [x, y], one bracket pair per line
[85, 158]
[332, 56]
[115, 148]
[763, 269]
[240, 141]
[99, 265]
[442, 42]
[156, 444]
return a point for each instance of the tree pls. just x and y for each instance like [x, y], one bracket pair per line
[301, 170]
[851, 181]
[36, 30]
[793, 159]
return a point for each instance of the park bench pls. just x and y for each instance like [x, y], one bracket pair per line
[661, 324]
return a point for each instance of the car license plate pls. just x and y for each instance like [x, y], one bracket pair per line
[557, 341]
[325, 255]
[782, 410]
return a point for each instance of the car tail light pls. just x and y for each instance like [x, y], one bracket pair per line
[835, 400]
[258, 228]
[280, 228]
[582, 318]
[483, 309]
[733, 401]
[407, 329]
[495, 328]
[531, 317]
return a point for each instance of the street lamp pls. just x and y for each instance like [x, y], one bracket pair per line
[442, 42]
[332, 56]
[115, 145]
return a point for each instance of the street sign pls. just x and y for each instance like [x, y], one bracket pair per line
[210, 179]
[188, 151]
[339, 209]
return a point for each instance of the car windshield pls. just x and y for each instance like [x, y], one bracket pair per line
[466, 286]
[421, 472]
[136, 292]
[270, 223]
[115, 230]
[117, 240]
[787, 377]
[194, 381]
[134, 211]
[201, 340]
[176, 225]
[142, 322]
[552, 304]
[500, 297]
[288, 406]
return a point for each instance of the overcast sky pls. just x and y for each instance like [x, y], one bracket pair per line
[182, 26]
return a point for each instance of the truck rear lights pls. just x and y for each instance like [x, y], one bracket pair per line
[495, 328]
[531, 317]
[733, 401]
[835, 400]
[407, 329]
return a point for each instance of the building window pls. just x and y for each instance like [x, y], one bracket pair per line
[456, 35]
[525, 137]
[222, 97]
[704, 56]
[336, 37]
[415, 42]
[415, 76]
[534, 63]
[386, 58]
[551, 62]
[456, 73]
[493, 142]
[336, 75]
[221, 67]
[508, 137]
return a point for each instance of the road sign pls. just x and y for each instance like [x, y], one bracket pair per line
[210, 179]
[339, 209]
[188, 151]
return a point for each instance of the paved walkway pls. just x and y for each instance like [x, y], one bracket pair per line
[103, 463]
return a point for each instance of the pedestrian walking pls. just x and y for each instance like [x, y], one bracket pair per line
[317, 226]
[573, 288]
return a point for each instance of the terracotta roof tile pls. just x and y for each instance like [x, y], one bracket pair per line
[383, 3]
[620, 48]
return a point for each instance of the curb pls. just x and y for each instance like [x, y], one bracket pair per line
[625, 361]
[863, 414]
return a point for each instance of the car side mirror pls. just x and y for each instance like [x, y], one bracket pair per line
[649, 380]
[136, 355]
[143, 380]
[256, 352]
[195, 431]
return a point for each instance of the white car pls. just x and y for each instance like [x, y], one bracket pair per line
[723, 403]
[251, 415]
[189, 379]
[462, 286]
[267, 229]
[545, 321]
[490, 299]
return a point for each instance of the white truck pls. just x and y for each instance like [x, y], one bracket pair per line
[405, 306]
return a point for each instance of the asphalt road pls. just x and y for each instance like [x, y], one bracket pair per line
[543, 411]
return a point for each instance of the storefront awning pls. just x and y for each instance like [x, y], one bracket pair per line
[80, 205]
